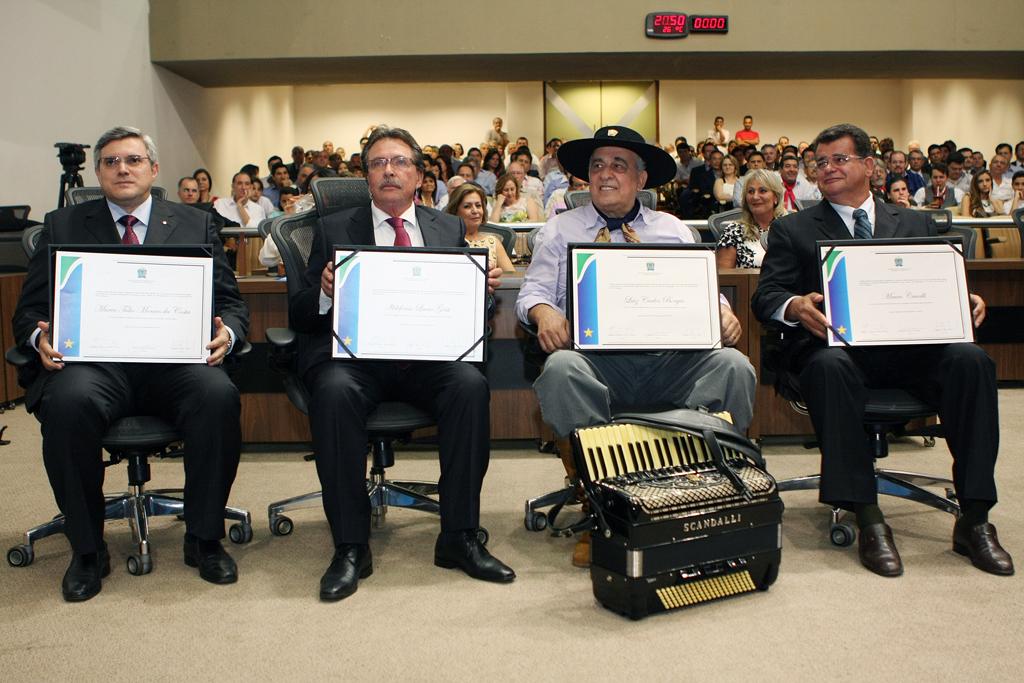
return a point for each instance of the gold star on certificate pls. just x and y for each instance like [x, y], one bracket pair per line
[588, 332]
[841, 330]
[347, 341]
[68, 344]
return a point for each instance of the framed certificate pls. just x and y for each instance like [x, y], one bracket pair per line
[134, 304]
[643, 297]
[393, 303]
[890, 292]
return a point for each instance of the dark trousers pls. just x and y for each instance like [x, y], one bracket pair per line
[343, 394]
[78, 404]
[958, 380]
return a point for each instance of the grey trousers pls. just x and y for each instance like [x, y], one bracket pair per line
[577, 390]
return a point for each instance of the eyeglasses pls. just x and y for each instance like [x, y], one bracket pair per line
[399, 163]
[131, 161]
[837, 160]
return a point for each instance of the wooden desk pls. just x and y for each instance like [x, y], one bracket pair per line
[10, 290]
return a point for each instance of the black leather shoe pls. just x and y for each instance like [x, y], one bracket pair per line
[462, 549]
[351, 562]
[215, 565]
[877, 550]
[981, 544]
[82, 579]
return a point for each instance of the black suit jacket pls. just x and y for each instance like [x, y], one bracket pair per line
[790, 267]
[91, 223]
[353, 227]
[702, 180]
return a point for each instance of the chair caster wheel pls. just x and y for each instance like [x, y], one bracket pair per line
[139, 564]
[20, 556]
[950, 494]
[240, 533]
[281, 526]
[536, 521]
[842, 534]
[482, 536]
[929, 442]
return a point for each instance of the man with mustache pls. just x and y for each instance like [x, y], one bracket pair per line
[344, 393]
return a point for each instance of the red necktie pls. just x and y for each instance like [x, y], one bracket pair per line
[401, 235]
[129, 235]
[789, 199]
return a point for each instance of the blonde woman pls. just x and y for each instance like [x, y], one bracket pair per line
[742, 243]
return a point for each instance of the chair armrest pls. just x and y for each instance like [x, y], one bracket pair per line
[281, 337]
[20, 357]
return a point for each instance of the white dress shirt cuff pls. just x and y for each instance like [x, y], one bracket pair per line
[325, 303]
[780, 313]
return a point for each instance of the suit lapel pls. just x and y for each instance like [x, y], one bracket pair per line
[428, 228]
[100, 224]
[887, 220]
[830, 224]
[161, 223]
[361, 227]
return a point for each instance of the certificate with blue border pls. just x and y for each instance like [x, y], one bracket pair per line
[132, 304]
[643, 297]
[891, 292]
[393, 303]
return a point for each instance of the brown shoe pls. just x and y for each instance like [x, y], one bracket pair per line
[581, 551]
[981, 544]
[877, 550]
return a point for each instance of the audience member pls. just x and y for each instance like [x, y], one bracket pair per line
[771, 157]
[188, 190]
[431, 193]
[978, 161]
[511, 204]
[469, 203]
[494, 166]
[938, 194]
[725, 185]
[298, 158]
[1017, 181]
[256, 195]
[549, 161]
[1002, 182]
[958, 177]
[916, 175]
[1018, 161]
[496, 137]
[742, 243]
[556, 202]
[685, 163]
[239, 207]
[529, 185]
[755, 161]
[980, 203]
[899, 194]
[807, 181]
[719, 134]
[205, 183]
[790, 174]
[272, 161]
[748, 137]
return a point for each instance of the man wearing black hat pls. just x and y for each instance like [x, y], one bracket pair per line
[577, 390]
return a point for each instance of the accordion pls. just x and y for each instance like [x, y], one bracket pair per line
[685, 511]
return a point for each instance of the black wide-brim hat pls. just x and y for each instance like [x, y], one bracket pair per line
[575, 154]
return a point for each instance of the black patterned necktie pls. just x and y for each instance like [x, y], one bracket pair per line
[861, 225]
[129, 236]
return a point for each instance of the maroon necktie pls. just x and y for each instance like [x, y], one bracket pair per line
[401, 236]
[129, 235]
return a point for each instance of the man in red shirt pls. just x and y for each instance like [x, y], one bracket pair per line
[748, 136]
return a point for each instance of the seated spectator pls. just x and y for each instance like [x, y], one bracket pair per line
[748, 137]
[281, 179]
[431, 193]
[697, 200]
[938, 194]
[807, 181]
[188, 190]
[529, 185]
[966, 153]
[958, 178]
[725, 185]
[493, 166]
[556, 179]
[789, 174]
[1002, 181]
[298, 158]
[755, 161]
[239, 208]
[205, 183]
[771, 157]
[444, 168]
[685, 163]
[878, 183]
[899, 194]
[271, 163]
[256, 195]
[556, 202]
[469, 203]
[511, 205]
[742, 244]
[1018, 193]
[980, 203]
[1018, 162]
[978, 162]
[467, 170]
[355, 165]
[915, 175]
[936, 154]
[269, 254]
[334, 162]
[549, 161]
[306, 172]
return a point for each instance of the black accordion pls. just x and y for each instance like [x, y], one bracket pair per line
[685, 511]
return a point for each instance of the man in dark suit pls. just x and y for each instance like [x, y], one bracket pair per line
[958, 379]
[344, 393]
[76, 402]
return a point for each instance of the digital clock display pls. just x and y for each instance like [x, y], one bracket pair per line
[680, 24]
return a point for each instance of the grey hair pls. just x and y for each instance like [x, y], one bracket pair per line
[400, 134]
[120, 133]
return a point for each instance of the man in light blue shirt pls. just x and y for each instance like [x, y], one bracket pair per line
[577, 390]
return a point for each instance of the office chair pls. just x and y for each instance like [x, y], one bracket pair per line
[80, 195]
[717, 220]
[335, 194]
[391, 421]
[577, 198]
[132, 439]
[1018, 220]
[506, 234]
[887, 411]
[969, 236]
